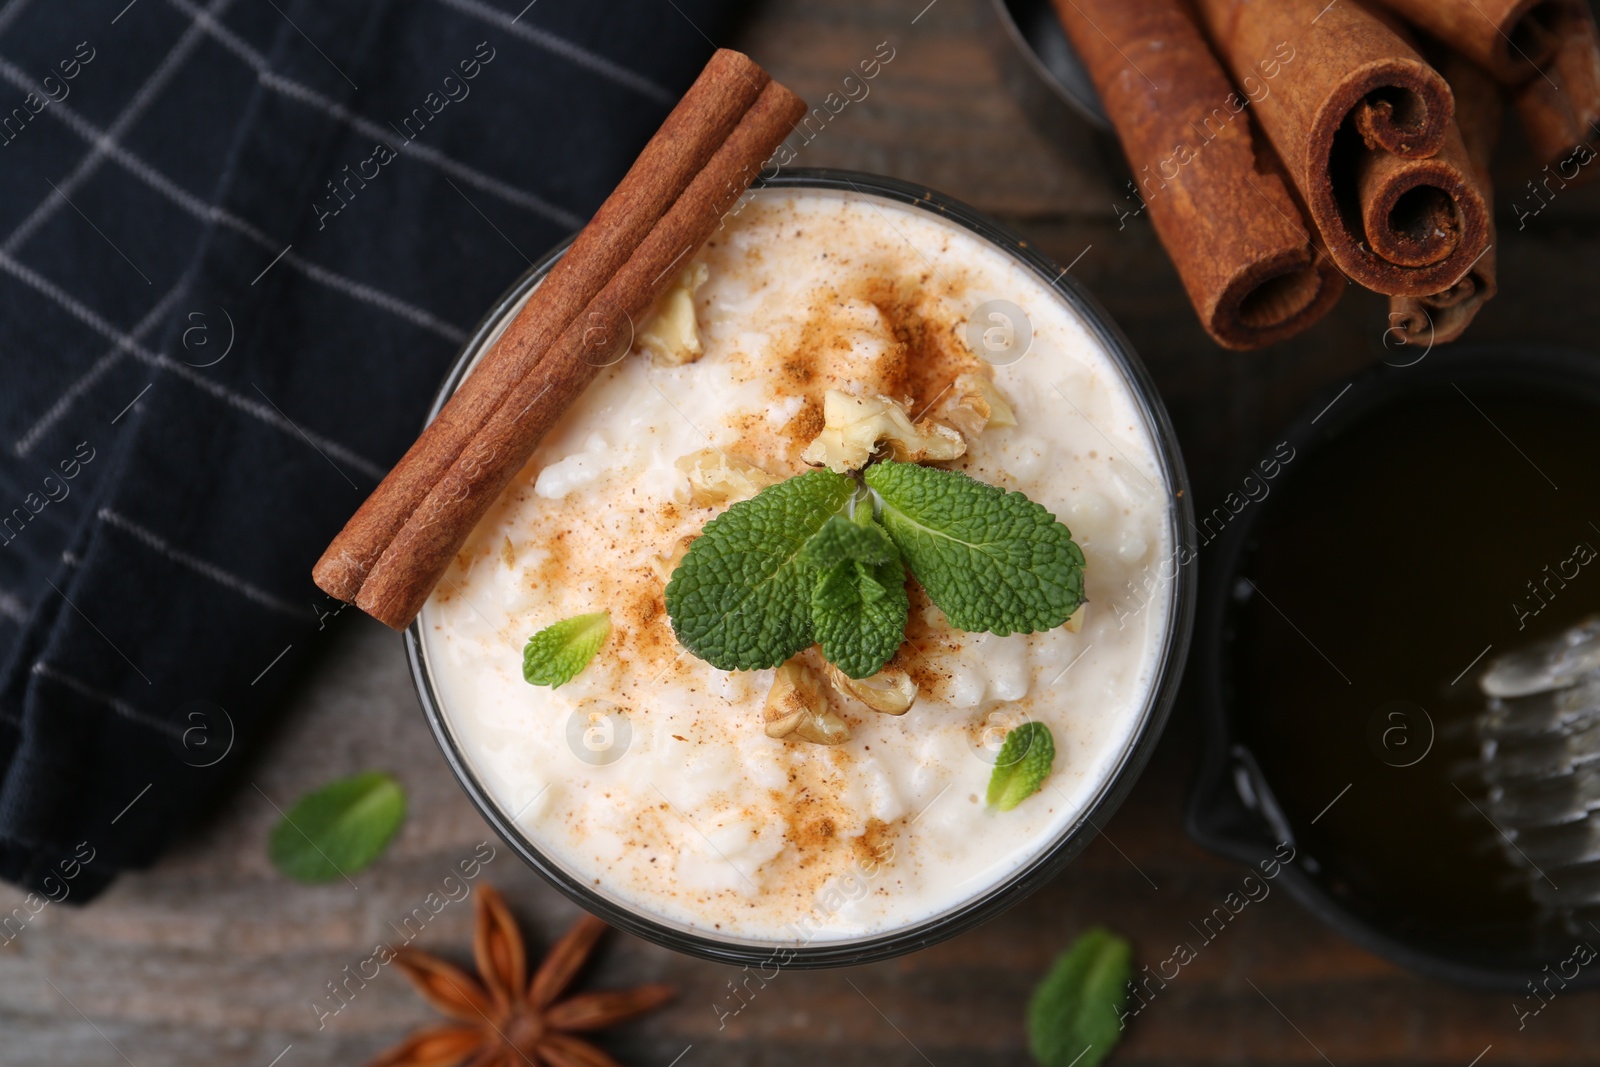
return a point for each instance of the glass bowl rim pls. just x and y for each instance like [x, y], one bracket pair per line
[1027, 877]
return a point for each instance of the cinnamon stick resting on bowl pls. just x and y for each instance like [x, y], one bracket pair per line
[1442, 317]
[1364, 130]
[420, 554]
[699, 125]
[403, 552]
[1216, 193]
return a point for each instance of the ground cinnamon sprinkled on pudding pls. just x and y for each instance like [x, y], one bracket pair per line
[651, 774]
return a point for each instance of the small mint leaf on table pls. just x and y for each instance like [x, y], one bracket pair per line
[1074, 1016]
[1022, 765]
[859, 604]
[556, 654]
[338, 829]
[741, 598]
[989, 559]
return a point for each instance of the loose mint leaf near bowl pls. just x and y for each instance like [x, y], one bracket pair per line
[1022, 765]
[556, 654]
[741, 598]
[989, 559]
[1074, 1016]
[338, 829]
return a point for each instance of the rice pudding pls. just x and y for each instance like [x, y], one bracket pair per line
[650, 776]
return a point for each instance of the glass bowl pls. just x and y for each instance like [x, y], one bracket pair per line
[1028, 876]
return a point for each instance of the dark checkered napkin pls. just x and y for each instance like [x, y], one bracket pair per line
[239, 243]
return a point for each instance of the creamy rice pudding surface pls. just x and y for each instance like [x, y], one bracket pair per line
[699, 817]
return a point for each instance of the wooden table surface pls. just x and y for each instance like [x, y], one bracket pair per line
[212, 958]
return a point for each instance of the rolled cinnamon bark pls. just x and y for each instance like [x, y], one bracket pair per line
[1361, 105]
[1512, 39]
[1442, 317]
[420, 554]
[1560, 108]
[1416, 213]
[1216, 192]
[695, 128]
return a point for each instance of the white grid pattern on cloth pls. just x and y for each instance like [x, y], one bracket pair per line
[105, 144]
[9, 13]
[41, 669]
[565, 49]
[266, 414]
[221, 575]
[97, 370]
[141, 100]
[304, 94]
[211, 213]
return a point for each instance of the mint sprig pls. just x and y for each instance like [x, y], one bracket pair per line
[741, 597]
[1074, 1016]
[858, 604]
[1022, 765]
[798, 564]
[556, 654]
[989, 559]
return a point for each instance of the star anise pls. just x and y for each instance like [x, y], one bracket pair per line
[504, 1019]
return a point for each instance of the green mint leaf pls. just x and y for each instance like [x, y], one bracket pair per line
[989, 559]
[556, 654]
[859, 614]
[850, 539]
[741, 597]
[338, 829]
[1022, 765]
[1075, 1013]
[858, 604]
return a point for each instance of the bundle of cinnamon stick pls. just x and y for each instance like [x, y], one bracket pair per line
[1285, 148]
[399, 544]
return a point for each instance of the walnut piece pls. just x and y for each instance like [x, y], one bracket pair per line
[890, 691]
[663, 564]
[974, 404]
[798, 706]
[715, 477]
[670, 333]
[854, 425]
